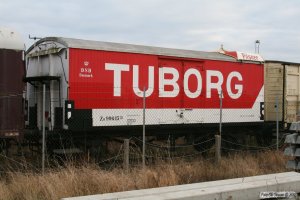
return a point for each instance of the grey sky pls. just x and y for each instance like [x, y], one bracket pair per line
[191, 24]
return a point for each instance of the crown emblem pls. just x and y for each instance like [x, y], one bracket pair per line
[86, 63]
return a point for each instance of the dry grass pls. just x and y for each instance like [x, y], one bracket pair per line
[91, 179]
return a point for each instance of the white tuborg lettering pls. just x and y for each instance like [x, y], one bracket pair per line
[136, 88]
[186, 77]
[117, 68]
[173, 81]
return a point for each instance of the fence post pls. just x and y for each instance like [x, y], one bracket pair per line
[126, 155]
[144, 115]
[218, 149]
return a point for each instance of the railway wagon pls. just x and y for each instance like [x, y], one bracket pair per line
[282, 88]
[97, 88]
[12, 69]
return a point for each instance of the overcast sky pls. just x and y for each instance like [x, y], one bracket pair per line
[186, 24]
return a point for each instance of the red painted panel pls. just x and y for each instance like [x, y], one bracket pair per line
[93, 81]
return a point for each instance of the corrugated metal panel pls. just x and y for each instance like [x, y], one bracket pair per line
[273, 89]
[292, 92]
[282, 81]
[119, 47]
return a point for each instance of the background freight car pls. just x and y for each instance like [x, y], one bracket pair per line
[97, 88]
[282, 87]
[11, 88]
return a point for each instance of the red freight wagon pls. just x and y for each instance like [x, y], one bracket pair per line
[95, 86]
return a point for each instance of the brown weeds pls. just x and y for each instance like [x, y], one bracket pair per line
[91, 179]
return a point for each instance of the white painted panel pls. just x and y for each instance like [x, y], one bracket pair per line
[124, 117]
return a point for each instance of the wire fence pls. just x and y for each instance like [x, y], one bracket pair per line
[175, 128]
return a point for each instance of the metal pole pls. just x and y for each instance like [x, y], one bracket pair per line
[43, 139]
[220, 127]
[256, 46]
[144, 115]
[277, 123]
[221, 109]
[218, 149]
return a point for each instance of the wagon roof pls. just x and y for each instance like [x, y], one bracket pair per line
[120, 47]
[282, 62]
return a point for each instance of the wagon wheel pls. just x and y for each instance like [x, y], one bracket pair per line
[232, 143]
[264, 137]
[264, 140]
